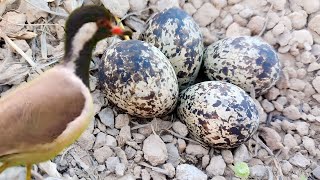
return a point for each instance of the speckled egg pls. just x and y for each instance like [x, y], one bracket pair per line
[139, 79]
[218, 113]
[244, 61]
[177, 35]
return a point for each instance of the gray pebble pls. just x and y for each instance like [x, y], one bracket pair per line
[189, 172]
[216, 166]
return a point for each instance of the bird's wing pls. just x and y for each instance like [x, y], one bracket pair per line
[38, 112]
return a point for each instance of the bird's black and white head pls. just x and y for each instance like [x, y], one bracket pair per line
[84, 28]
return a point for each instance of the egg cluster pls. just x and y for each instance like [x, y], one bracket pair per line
[151, 77]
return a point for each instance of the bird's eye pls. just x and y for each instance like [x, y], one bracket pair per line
[104, 23]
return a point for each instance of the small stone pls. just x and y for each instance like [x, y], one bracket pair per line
[120, 169]
[206, 14]
[273, 93]
[167, 138]
[302, 128]
[86, 140]
[219, 3]
[117, 7]
[309, 144]
[292, 112]
[208, 37]
[196, 150]
[157, 176]
[246, 13]
[286, 167]
[181, 145]
[297, 84]
[145, 175]
[101, 140]
[165, 4]
[130, 152]
[227, 156]
[314, 66]
[107, 117]
[278, 4]
[271, 137]
[231, 2]
[197, 3]
[258, 171]
[137, 5]
[256, 24]
[289, 141]
[188, 7]
[122, 120]
[298, 19]
[112, 163]
[218, 178]
[240, 20]
[227, 21]
[241, 154]
[170, 169]
[278, 29]
[267, 105]
[316, 172]
[301, 39]
[236, 30]
[299, 160]
[138, 137]
[9, 21]
[316, 84]
[311, 6]
[174, 157]
[112, 131]
[180, 128]
[111, 141]
[205, 161]
[125, 134]
[155, 150]
[216, 166]
[137, 172]
[188, 172]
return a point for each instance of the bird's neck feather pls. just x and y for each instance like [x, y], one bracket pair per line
[79, 50]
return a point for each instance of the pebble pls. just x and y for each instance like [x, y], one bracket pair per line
[13, 173]
[316, 172]
[137, 172]
[301, 39]
[189, 8]
[117, 7]
[289, 141]
[173, 154]
[155, 150]
[137, 5]
[120, 169]
[231, 2]
[138, 137]
[216, 166]
[271, 137]
[130, 152]
[227, 21]
[272, 93]
[205, 161]
[314, 66]
[168, 138]
[240, 20]
[157, 176]
[284, 38]
[145, 175]
[165, 4]
[180, 128]
[278, 29]
[218, 178]
[122, 120]
[311, 6]
[111, 141]
[189, 172]
[170, 169]
[256, 24]
[181, 145]
[286, 167]
[316, 84]
[208, 37]
[241, 154]
[267, 105]
[299, 160]
[298, 19]
[292, 112]
[196, 150]
[206, 14]
[197, 3]
[125, 134]
[310, 145]
[258, 171]
[236, 30]
[112, 163]
[297, 84]
[107, 117]
[101, 140]
[246, 13]
[227, 156]
[219, 3]
[302, 128]
[86, 140]
[278, 4]
[9, 21]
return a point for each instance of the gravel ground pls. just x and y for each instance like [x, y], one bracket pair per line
[117, 146]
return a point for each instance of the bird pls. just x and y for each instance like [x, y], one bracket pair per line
[42, 117]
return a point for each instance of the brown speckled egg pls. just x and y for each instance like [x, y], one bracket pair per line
[219, 114]
[139, 79]
[244, 61]
[177, 35]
